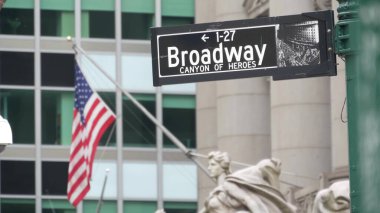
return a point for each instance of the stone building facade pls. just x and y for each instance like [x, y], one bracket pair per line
[301, 122]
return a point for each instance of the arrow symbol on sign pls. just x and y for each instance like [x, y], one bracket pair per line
[204, 37]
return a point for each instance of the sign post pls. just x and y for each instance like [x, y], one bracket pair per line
[285, 47]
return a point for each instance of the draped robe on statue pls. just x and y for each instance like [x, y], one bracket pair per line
[253, 189]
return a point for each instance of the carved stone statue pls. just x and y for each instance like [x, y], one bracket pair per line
[322, 4]
[253, 189]
[335, 199]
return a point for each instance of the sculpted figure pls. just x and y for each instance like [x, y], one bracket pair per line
[335, 199]
[253, 189]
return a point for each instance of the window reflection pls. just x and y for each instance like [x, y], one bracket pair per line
[99, 171]
[98, 24]
[138, 129]
[57, 23]
[57, 69]
[140, 206]
[17, 205]
[57, 206]
[54, 178]
[176, 21]
[17, 177]
[57, 117]
[94, 76]
[17, 21]
[107, 206]
[180, 207]
[17, 68]
[179, 118]
[136, 25]
[180, 181]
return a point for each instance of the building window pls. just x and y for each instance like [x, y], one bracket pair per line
[177, 12]
[57, 69]
[98, 19]
[179, 181]
[54, 178]
[137, 173]
[57, 23]
[136, 25]
[140, 206]
[57, 18]
[16, 21]
[180, 207]
[176, 21]
[137, 18]
[179, 118]
[57, 206]
[57, 117]
[17, 106]
[17, 177]
[98, 24]
[99, 172]
[107, 206]
[17, 205]
[17, 68]
[138, 129]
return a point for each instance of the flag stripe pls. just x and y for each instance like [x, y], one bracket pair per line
[77, 165]
[82, 186]
[101, 131]
[91, 118]
[81, 195]
[78, 180]
[100, 122]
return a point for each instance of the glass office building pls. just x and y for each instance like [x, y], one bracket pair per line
[36, 96]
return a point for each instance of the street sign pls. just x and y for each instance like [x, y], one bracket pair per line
[286, 47]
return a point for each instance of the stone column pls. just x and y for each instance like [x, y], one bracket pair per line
[339, 128]
[205, 109]
[232, 115]
[242, 105]
[206, 125]
[300, 111]
[243, 114]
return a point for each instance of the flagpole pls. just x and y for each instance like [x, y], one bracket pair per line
[100, 202]
[170, 135]
[159, 142]
[119, 106]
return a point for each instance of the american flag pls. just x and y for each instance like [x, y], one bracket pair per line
[91, 119]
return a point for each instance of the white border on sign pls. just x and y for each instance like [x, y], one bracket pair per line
[239, 28]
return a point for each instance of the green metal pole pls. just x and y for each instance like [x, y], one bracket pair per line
[346, 43]
[358, 41]
[368, 93]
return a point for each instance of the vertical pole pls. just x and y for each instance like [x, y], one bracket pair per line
[78, 36]
[78, 23]
[368, 103]
[347, 43]
[100, 203]
[119, 108]
[37, 106]
[159, 139]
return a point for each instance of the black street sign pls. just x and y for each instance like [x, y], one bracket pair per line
[286, 47]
